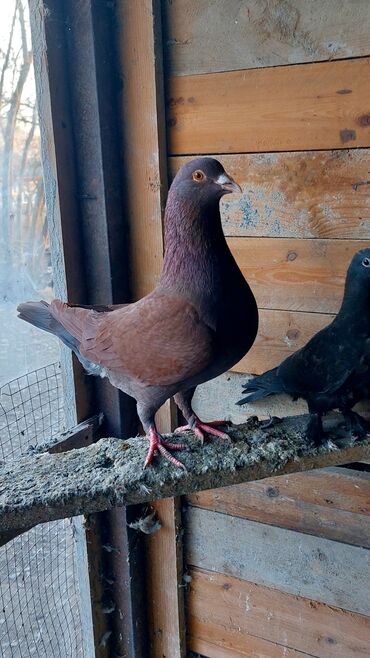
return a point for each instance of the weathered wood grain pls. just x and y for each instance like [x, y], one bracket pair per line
[252, 646]
[69, 281]
[310, 194]
[217, 399]
[316, 568]
[213, 35]
[308, 106]
[164, 567]
[231, 612]
[164, 579]
[144, 152]
[296, 275]
[280, 333]
[110, 473]
[332, 503]
[144, 149]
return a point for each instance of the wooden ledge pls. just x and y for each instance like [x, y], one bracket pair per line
[109, 473]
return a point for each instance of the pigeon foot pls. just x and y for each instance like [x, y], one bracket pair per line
[199, 428]
[273, 420]
[357, 425]
[163, 447]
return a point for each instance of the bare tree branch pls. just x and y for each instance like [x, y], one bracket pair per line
[5, 65]
[20, 176]
[8, 146]
[23, 29]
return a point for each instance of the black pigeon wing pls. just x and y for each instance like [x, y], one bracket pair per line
[321, 366]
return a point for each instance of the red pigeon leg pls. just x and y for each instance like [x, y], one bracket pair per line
[183, 401]
[163, 447]
[198, 427]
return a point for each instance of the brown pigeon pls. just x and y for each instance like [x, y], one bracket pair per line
[197, 323]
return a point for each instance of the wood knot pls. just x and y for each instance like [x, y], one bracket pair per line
[347, 135]
[364, 120]
[292, 334]
[180, 100]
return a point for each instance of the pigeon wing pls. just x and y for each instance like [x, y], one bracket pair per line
[159, 340]
[321, 366]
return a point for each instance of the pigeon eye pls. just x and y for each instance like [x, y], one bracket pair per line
[366, 262]
[198, 176]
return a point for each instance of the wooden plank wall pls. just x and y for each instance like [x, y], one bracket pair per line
[279, 91]
[296, 138]
[281, 567]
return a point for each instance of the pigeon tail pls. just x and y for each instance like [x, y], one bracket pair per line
[38, 314]
[262, 386]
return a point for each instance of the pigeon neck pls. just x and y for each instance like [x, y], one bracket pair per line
[194, 246]
[356, 302]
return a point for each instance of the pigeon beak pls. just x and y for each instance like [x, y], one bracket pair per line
[228, 184]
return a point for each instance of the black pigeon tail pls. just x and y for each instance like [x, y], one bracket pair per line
[262, 386]
[38, 314]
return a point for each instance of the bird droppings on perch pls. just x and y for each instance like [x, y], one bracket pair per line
[110, 473]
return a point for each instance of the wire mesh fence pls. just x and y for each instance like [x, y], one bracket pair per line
[39, 597]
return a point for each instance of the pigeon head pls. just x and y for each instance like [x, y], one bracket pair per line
[357, 286]
[204, 180]
[359, 268]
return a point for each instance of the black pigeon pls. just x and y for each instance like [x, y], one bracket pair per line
[332, 371]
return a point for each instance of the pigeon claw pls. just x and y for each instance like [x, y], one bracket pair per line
[199, 428]
[163, 447]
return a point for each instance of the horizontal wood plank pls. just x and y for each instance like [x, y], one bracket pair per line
[224, 36]
[296, 275]
[309, 194]
[280, 333]
[309, 106]
[252, 646]
[228, 612]
[316, 568]
[332, 503]
[217, 399]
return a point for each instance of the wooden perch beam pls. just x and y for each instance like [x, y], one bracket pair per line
[110, 473]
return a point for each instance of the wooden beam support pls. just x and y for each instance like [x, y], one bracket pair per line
[110, 473]
[78, 90]
[145, 185]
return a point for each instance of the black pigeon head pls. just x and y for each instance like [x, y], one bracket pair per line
[357, 287]
[359, 267]
[204, 179]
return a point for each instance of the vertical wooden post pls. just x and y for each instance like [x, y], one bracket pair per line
[80, 128]
[145, 184]
[66, 279]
